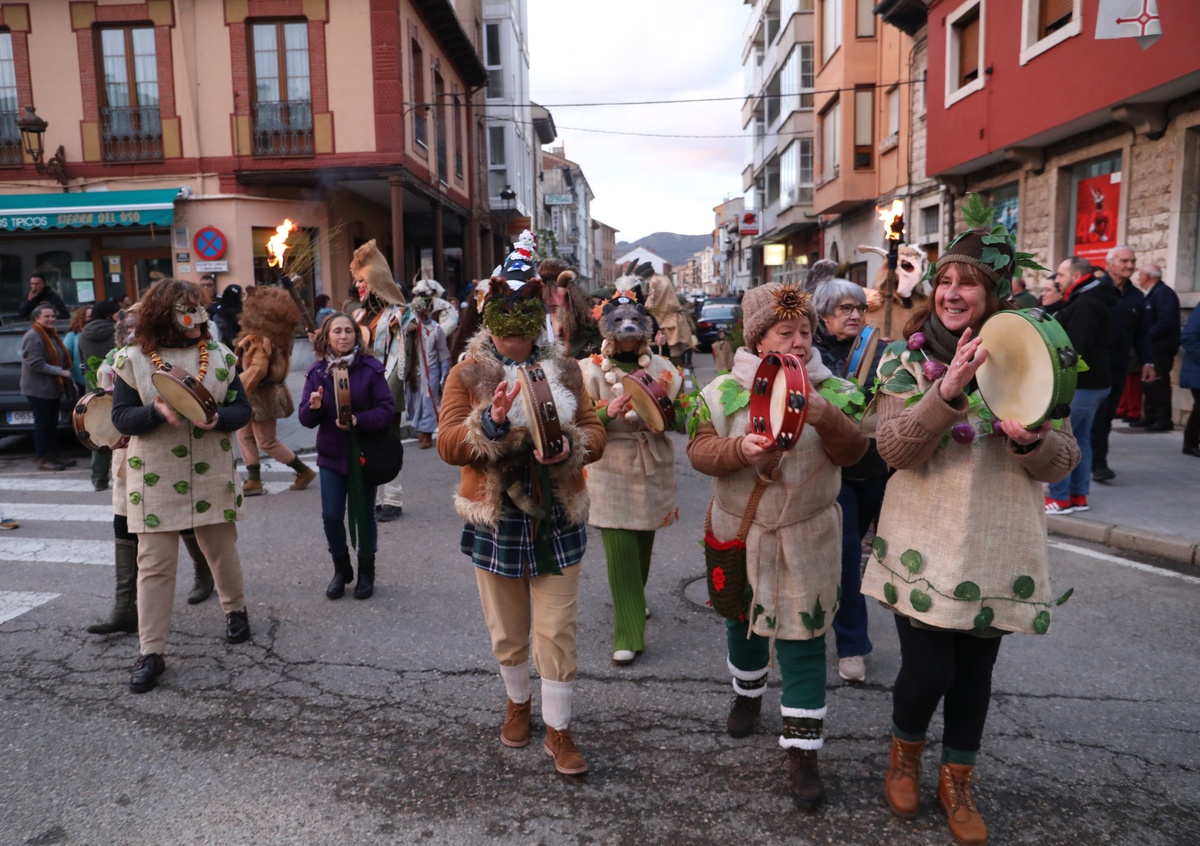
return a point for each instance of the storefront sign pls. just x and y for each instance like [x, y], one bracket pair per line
[1097, 201]
[558, 199]
[80, 220]
[87, 210]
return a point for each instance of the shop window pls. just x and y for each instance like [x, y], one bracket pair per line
[418, 93]
[302, 259]
[1006, 201]
[283, 113]
[964, 50]
[130, 122]
[10, 136]
[1095, 208]
[1046, 23]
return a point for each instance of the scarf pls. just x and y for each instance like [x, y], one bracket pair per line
[745, 365]
[942, 342]
[56, 353]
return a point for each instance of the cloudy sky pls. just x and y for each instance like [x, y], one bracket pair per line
[622, 50]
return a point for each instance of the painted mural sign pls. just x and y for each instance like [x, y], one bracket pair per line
[1097, 200]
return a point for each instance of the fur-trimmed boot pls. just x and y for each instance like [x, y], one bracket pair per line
[343, 574]
[902, 784]
[365, 586]
[802, 730]
[955, 797]
[123, 617]
[202, 586]
[748, 687]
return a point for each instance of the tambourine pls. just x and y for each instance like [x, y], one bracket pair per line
[649, 399]
[540, 411]
[862, 356]
[1031, 368]
[779, 399]
[184, 393]
[92, 422]
[341, 393]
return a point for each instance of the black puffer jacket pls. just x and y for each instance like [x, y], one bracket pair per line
[1086, 314]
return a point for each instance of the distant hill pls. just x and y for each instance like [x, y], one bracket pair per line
[676, 249]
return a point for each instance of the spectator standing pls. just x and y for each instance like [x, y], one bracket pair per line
[227, 314]
[1021, 297]
[96, 340]
[1189, 378]
[722, 353]
[1162, 329]
[1128, 326]
[45, 378]
[38, 294]
[79, 319]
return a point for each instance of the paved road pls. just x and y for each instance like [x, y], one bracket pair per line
[377, 722]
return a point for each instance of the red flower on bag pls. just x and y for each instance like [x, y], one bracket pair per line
[718, 579]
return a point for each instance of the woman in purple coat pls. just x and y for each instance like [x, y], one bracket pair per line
[335, 343]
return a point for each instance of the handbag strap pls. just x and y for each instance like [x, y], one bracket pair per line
[760, 488]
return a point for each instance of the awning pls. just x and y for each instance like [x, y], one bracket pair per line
[87, 210]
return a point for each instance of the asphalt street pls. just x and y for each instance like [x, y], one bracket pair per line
[372, 722]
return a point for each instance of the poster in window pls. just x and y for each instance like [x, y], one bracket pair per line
[1006, 201]
[1096, 203]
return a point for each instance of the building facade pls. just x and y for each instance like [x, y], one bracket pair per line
[604, 237]
[567, 199]
[190, 131]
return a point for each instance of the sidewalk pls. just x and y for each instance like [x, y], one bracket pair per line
[1152, 507]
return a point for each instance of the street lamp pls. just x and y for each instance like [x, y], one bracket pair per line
[32, 129]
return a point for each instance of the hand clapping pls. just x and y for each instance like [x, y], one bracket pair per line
[502, 401]
[967, 358]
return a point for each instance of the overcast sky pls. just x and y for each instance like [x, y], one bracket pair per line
[621, 50]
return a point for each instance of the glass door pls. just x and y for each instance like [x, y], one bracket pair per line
[114, 269]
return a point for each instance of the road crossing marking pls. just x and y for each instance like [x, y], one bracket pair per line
[44, 483]
[56, 550]
[56, 512]
[1124, 562]
[15, 603]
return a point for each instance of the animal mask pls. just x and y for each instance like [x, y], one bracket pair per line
[520, 312]
[190, 316]
[623, 318]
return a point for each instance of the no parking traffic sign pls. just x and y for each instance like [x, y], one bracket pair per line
[209, 243]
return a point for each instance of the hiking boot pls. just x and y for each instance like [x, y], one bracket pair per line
[252, 487]
[902, 784]
[516, 724]
[804, 778]
[304, 479]
[955, 797]
[743, 715]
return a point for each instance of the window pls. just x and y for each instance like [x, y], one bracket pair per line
[1045, 23]
[10, 136]
[460, 141]
[865, 27]
[1095, 208]
[491, 60]
[830, 138]
[283, 124]
[439, 125]
[831, 28]
[964, 50]
[131, 127]
[497, 167]
[1006, 201]
[806, 76]
[931, 221]
[789, 173]
[418, 89]
[893, 112]
[864, 128]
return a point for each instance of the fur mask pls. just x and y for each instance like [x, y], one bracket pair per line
[271, 313]
[623, 318]
[370, 265]
[520, 312]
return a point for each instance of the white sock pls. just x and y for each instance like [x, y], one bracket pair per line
[556, 704]
[516, 682]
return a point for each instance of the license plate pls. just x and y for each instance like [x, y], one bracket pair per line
[20, 418]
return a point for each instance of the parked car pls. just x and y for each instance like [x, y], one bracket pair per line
[717, 313]
[15, 413]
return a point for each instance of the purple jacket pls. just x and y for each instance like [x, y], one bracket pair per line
[369, 397]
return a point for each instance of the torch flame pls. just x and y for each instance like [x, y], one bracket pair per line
[894, 219]
[277, 243]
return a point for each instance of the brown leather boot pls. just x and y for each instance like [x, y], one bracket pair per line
[902, 784]
[516, 724]
[954, 795]
[560, 746]
[804, 779]
[743, 715]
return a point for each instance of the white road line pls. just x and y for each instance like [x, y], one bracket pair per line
[14, 603]
[56, 512]
[1124, 562]
[56, 551]
[46, 483]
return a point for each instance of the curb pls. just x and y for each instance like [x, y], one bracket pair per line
[1170, 547]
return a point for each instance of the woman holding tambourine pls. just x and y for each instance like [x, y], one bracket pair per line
[794, 540]
[344, 388]
[960, 553]
[179, 464]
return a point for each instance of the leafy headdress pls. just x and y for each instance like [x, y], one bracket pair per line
[988, 246]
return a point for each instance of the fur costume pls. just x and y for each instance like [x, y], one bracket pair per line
[264, 351]
[368, 263]
[489, 467]
[663, 303]
[911, 293]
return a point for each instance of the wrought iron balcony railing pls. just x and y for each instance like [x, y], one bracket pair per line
[283, 128]
[131, 133]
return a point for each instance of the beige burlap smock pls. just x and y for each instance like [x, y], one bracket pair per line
[794, 547]
[633, 485]
[962, 535]
[180, 477]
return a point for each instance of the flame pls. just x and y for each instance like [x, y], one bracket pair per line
[893, 218]
[277, 243]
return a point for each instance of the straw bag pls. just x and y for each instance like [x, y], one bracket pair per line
[729, 590]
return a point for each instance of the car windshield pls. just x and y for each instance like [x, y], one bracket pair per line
[718, 311]
[10, 349]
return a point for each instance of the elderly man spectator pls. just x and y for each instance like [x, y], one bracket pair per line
[1021, 296]
[1162, 328]
[38, 294]
[1128, 339]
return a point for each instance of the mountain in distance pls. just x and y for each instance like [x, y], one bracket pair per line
[676, 249]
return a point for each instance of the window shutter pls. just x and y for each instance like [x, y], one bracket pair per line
[1053, 14]
[968, 51]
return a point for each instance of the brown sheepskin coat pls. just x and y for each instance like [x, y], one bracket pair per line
[264, 351]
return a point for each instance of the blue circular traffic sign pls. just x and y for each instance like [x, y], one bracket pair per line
[209, 243]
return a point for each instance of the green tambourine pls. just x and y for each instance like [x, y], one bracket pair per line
[1031, 368]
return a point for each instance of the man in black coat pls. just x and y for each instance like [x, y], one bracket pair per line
[38, 294]
[1162, 329]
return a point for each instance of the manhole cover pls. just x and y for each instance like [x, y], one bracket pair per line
[696, 592]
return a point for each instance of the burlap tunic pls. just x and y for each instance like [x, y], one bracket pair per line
[180, 477]
[633, 485]
[962, 535]
[794, 547]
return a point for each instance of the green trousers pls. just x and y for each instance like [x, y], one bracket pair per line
[627, 552]
[801, 663]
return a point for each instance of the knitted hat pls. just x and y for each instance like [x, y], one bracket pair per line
[766, 305]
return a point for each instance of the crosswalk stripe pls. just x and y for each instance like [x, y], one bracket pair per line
[45, 483]
[56, 551]
[56, 512]
[15, 603]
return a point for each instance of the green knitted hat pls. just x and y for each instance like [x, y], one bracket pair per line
[989, 246]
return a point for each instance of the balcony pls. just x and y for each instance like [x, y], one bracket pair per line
[131, 133]
[283, 128]
[10, 140]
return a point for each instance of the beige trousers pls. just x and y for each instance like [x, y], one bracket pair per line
[259, 435]
[158, 559]
[507, 611]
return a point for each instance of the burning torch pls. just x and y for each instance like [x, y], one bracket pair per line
[276, 246]
[893, 219]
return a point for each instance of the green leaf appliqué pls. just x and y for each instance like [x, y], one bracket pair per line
[230, 396]
[968, 591]
[151, 520]
[202, 467]
[135, 497]
[135, 462]
[202, 506]
[913, 560]
[221, 373]
[1023, 587]
[151, 479]
[1062, 599]
[230, 515]
[179, 451]
[920, 600]
[879, 547]
[983, 620]
[733, 397]
[226, 445]
[181, 487]
[1041, 623]
[230, 360]
[890, 593]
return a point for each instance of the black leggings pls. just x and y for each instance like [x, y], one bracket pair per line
[937, 664]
